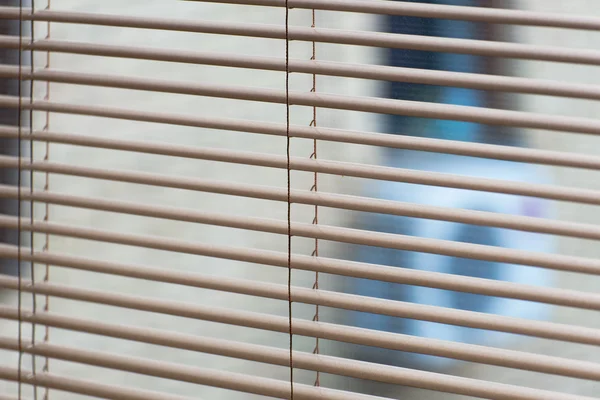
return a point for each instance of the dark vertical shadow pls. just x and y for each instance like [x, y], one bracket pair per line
[10, 147]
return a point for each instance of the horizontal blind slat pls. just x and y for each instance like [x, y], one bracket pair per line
[313, 362]
[507, 153]
[524, 223]
[345, 235]
[276, 226]
[548, 330]
[363, 71]
[322, 35]
[577, 195]
[401, 8]
[85, 387]
[561, 297]
[202, 376]
[482, 218]
[276, 388]
[479, 14]
[489, 116]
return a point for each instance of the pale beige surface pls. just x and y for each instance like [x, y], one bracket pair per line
[233, 173]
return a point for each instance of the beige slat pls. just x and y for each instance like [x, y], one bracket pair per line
[354, 103]
[363, 71]
[322, 35]
[313, 362]
[561, 297]
[345, 235]
[543, 329]
[479, 14]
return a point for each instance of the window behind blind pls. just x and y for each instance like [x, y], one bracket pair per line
[430, 233]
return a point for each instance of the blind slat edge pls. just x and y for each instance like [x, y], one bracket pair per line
[313, 362]
[358, 38]
[548, 330]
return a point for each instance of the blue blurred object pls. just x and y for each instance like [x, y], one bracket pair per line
[451, 198]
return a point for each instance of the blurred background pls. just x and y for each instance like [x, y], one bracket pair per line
[197, 106]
